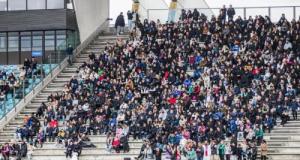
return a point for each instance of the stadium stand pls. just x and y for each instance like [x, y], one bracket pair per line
[193, 89]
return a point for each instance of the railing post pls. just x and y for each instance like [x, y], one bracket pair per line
[148, 16]
[50, 65]
[4, 105]
[14, 99]
[294, 12]
[245, 13]
[23, 89]
[269, 12]
[42, 73]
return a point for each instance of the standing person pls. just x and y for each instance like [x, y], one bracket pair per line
[70, 53]
[264, 150]
[207, 151]
[130, 22]
[120, 24]
[259, 134]
[294, 107]
[30, 150]
[222, 150]
[135, 19]
[230, 13]
[148, 153]
[223, 14]
[227, 151]
[214, 151]
[158, 153]
[172, 11]
[135, 5]
[199, 151]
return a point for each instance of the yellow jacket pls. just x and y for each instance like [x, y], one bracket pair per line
[135, 7]
[173, 5]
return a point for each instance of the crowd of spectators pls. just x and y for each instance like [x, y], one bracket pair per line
[19, 150]
[11, 82]
[192, 88]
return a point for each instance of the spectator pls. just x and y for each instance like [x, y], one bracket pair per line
[69, 150]
[230, 13]
[172, 11]
[148, 153]
[227, 151]
[295, 107]
[264, 150]
[130, 20]
[40, 138]
[70, 53]
[30, 150]
[116, 144]
[23, 150]
[5, 151]
[221, 150]
[222, 15]
[120, 24]
[207, 151]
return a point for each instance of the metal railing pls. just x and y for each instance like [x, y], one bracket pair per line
[274, 12]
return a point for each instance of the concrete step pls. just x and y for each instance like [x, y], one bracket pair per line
[81, 60]
[43, 95]
[285, 131]
[77, 64]
[34, 106]
[286, 128]
[108, 156]
[69, 68]
[40, 100]
[101, 43]
[61, 80]
[114, 37]
[281, 137]
[53, 145]
[84, 56]
[89, 151]
[56, 85]
[96, 46]
[52, 90]
[28, 111]
[280, 133]
[89, 51]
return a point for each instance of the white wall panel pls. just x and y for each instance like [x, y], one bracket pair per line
[90, 14]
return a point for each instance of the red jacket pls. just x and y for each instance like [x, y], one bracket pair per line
[172, 100]
[53, 123]
[116, 142]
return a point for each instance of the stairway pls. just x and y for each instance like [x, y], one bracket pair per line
[50, 151]
[284, 142]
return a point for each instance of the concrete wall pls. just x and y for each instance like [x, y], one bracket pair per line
[90, 14]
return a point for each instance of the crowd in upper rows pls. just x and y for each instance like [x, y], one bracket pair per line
[185, 87]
